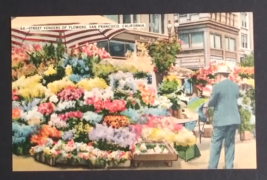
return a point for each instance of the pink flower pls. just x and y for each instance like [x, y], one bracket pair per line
[72, 114]
[70, 93]
[46, 108]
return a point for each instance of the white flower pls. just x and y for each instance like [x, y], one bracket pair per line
[32, 114]
[53, 99]
[143, 147]
[65, 105]
[57, 122]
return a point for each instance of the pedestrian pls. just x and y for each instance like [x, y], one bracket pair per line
[226, 118]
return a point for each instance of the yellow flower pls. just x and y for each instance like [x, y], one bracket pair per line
[89, 84]
[59, 85]
[47, 151]
[173, 78]
[50, 71]
[250, 82]
[68, 70]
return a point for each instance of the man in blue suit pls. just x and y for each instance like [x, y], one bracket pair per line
[226, 118]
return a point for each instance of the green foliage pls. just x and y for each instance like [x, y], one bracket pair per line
[168, 87]
[48, 53]
[127, 68]
[251, 95]
[54, 77]
[140, 75]
[164, 53]
[103, 70]
[248, 61]
[245, 120]
[106, 146]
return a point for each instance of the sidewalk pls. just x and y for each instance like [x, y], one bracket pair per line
[245, 158]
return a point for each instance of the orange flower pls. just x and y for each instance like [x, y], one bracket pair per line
[16, 113]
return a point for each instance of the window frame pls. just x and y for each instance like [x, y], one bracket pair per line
[214, 40]
[230, 38]
[244, 36]
[244, 24]
[190, 42]
[151, 24]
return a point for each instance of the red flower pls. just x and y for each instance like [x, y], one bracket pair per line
[90, 144]
[155, 69]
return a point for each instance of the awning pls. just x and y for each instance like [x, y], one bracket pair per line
[69, 38]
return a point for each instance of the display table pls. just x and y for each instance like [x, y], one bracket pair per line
[187, 123]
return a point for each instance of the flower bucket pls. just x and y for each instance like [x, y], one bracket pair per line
[125, 164]
[100, 164]
[188, 153]
[50, 160]
[19, 150]
[207, 133]
[159, 77]
[245, 136]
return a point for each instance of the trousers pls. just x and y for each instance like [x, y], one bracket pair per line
[220, 133]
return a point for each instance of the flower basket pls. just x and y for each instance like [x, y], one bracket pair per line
[245, 136]
[188, 153]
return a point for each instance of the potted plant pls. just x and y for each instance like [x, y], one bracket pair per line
[246, 110]
[163, 54]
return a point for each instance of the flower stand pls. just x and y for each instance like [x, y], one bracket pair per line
[126, 164]
[167, 158]
[49, 160]
[245, 136]
[188, 153]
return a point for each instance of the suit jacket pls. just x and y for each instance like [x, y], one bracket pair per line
[224, 100]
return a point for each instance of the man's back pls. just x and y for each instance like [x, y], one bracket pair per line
[224, 101]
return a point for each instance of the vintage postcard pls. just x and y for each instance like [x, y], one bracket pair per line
[135, 92]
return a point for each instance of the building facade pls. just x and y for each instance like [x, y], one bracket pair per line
[206, 37]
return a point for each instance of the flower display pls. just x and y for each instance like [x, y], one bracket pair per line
[16, 113]
[79, 108]
[70, 93]
[21, 132]
[73, 114]
[148, 94]
[59, 85]
[122, 136]
[50, 71]
[92, 117]
[46, 108]
[89, 84]
[116, 121]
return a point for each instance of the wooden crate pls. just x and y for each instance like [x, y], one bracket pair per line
[165, 157]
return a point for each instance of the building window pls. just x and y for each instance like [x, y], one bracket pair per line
[126, 19]
[192, 40]
[135, 18]
[185, 39]
[244, 41]
[115, 18]
[244, 20]
[154, 22]
[229, 44]
[197, 40]
[117, 48]
[215, 41]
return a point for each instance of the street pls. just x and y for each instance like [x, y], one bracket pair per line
[245, 158]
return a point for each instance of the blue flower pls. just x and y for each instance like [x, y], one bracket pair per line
[68, 135]
[92, 117]
[155, 111]
[132, 114]
[22, 131]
